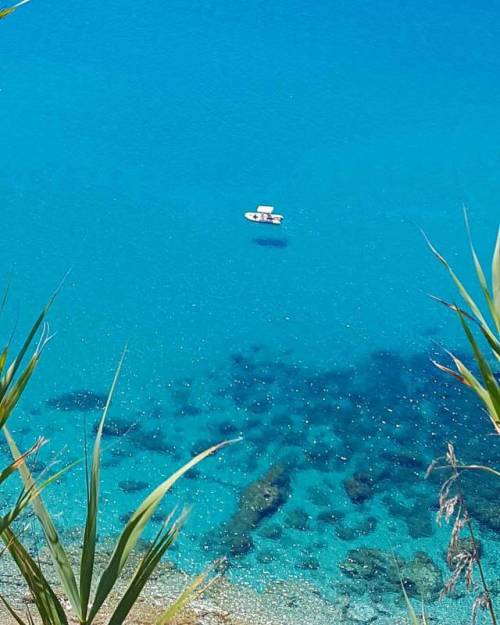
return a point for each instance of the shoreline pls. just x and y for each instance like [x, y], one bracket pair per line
[288, 602]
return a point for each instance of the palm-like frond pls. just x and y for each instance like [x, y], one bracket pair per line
[4, 12]
[487, 388]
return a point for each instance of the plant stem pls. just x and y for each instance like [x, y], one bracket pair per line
[481, 572]
[468, 522]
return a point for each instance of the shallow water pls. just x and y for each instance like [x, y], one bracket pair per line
[135, 139]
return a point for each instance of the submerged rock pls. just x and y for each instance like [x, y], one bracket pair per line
[309, 563]
[422, 577]
[132, 486]
[351, 532]
[273, 531]
[82, 400]
[382, 572]
[417, 516]
[297, 519]
[117, 427]
[258, 501]
[359, 488]
[330, 516]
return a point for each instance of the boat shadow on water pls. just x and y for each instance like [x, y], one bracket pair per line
[277, 242]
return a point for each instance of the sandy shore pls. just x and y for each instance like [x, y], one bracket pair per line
[226, 603]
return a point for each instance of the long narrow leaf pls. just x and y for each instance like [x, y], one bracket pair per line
[12, 612]
[57, 551]
[481, 277]
[8, 10]
[144, 571]
[461, 289]
[451, 372]
[11, 397]
[135, 526]
[489, 379]
[89, 540]
[12, 370]
[3, 358]
[27, 496]
[13, 466]
[493, 342]
[495, 273]
[409, 607]
[196, 589]
[48, 606]
[480, 391]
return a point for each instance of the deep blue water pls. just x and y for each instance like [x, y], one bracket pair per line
[133, 139]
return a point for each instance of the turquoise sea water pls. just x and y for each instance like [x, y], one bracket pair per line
[133, 140]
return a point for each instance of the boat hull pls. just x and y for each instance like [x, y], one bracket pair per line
[264, 218]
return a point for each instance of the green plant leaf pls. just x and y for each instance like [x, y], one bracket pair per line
[462, 290]
[10, 398]
[481, 277]
[492, 340]
[12, 612]
[135, 526]
[13, 368]
[8, 10]
[164, 539]
[89, 540]
[57, 551]
[489, 380]
[195, 589]
[409, 607]
[27, 496]
[48, 606]
[481, 392]
[13, 466]
[3, 358]
[425, 617]
[495, 272]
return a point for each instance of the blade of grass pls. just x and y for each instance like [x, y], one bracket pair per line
[163, 541]
[10, 398]
[480, 391]
[487, 374]
[57, 551]
[12, 370]
[495, 273]
[135, 526]
[8, 10]
[3, 358]
[493, 342]
[48, 606]
[451, 372]
[194, 590]
[481, 277]
[461, 289]
[5, 295]
[89, 540]
[12, 612]
[27, 497]
[425, 618]
[409, 607]
[13, 466]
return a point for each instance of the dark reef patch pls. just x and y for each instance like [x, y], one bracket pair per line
[117, 427]
[132, 486]
[359, 488]
[271, 242]
[261, 499]
[82, 400]
[378, 572]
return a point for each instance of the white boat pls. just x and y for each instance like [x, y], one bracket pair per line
[264, 215]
